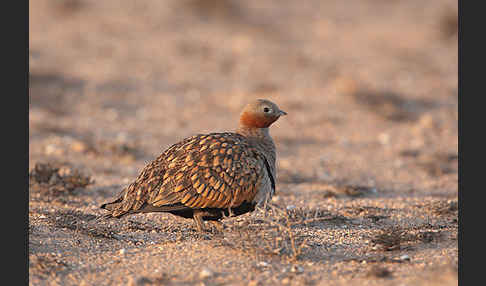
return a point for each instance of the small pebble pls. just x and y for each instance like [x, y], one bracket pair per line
[263, 264]
[122, 251]
[79, 146]
[291, 207]
[384, 138]
[405, 257]
[51, 149]
[297, 269]
[205, 273]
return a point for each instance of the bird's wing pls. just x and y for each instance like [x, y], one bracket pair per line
[217, 170]
[209, 171]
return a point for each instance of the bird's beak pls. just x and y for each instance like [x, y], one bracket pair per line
[283, 112]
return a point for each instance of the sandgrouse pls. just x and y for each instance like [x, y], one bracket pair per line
[207, 176]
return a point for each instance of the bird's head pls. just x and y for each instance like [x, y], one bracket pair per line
[260, 113]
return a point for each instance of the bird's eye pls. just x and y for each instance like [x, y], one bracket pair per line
[266, 109]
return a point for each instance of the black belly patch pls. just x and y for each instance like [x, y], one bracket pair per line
[216, 213]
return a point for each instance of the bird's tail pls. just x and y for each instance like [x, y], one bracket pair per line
[113, 209]
[109, 206]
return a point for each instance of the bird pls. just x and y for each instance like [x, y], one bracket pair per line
[209, 176]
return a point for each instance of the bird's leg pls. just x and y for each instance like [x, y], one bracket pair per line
[230, 212]
[232, 203]
[198, 220]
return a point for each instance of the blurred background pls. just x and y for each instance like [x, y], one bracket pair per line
[370, 86]
[370, 140]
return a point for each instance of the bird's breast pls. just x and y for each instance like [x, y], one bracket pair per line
[264, 190]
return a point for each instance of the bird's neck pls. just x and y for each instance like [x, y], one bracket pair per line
[260, 138]
[254, 133]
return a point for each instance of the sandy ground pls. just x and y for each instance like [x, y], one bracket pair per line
[367, 156]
